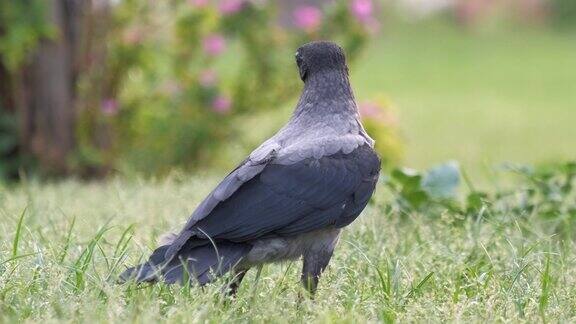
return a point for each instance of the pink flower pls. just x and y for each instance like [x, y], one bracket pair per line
[208, 78]
[198, 3]
[362, 10]
[230, 7]
[171, 87]
[307, 17]
[133, 36]
[221, 104]
[369, 110]
[375, 111]
[109, 107]
[214, 44]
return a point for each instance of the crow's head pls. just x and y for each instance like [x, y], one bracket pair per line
[317, 57]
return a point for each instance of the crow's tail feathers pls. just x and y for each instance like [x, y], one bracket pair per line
[200, 264]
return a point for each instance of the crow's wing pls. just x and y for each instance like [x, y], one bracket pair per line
[249, 168]
[291, 199]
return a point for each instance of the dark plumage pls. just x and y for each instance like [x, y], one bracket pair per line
[290, 197]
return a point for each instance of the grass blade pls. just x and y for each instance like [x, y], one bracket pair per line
[67, 242]
[545, 287]
[419, 286]
[18, 233]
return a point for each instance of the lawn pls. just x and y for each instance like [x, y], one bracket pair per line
[481, 98]
[60, 264]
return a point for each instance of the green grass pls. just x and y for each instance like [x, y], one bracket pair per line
[480, 98]
[63, 244]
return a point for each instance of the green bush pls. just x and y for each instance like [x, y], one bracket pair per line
[164, 84]
[183, 74]
[22, 25]
[564, 12]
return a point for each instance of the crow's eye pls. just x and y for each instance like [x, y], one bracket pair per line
[298, 58]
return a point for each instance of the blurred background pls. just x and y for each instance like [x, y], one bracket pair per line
[91, 88]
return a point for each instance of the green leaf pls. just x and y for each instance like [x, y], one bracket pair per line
[408, 178]
[416, 198]
[442, 181]
[475, 200]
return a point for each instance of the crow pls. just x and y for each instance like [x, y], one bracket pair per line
[290, 198]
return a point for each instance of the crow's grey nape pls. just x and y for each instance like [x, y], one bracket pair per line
[320, 56]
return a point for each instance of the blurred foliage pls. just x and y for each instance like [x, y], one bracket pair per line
[19, 35]
[416, 191]
[564, 12]
[179, 74]
[164, 84]
[546, 192]
[22, 25]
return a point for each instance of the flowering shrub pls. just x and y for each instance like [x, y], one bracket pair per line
[308, 18]
[159, 84]
[179, 76]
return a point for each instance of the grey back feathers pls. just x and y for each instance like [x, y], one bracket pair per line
[324, 123]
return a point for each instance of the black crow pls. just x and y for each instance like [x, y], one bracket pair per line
[290, 198]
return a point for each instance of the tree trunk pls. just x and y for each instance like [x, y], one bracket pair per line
[6, 95]
[45, 94]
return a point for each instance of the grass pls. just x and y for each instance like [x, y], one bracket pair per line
[479, 98]
[63, 244]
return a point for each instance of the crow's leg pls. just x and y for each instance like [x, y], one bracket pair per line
[236, 281]
[315, 261]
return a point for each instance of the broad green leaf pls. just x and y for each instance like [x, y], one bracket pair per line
[442, 181]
